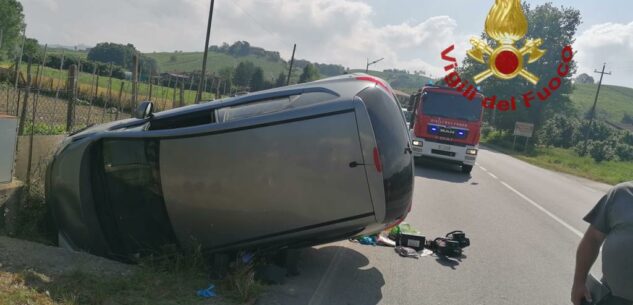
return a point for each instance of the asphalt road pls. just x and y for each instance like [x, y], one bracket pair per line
[524, 223]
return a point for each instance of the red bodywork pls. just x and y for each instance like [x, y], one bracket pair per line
[422, 121]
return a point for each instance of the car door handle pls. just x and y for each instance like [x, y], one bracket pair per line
[355, 164]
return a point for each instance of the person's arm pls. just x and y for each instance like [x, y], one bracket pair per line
[586, 255]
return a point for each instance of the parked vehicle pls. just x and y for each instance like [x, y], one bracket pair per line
[293, 166]
[446, 126]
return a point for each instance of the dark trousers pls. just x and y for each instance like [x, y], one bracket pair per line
[613, 300]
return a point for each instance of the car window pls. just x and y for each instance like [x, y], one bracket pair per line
[264, 107]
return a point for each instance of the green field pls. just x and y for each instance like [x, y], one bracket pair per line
[613, 103]
[192, 61]
[162, 95]
[568, 161]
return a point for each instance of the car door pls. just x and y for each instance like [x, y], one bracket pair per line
[265, 181]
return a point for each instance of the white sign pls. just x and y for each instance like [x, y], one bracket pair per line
[523, 129]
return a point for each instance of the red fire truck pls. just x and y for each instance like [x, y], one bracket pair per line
[446, 126]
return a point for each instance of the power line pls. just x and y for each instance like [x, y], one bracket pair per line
[252, 18]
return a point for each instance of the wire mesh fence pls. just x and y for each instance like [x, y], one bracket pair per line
[47, 111]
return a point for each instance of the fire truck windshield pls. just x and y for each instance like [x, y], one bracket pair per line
[451, 106]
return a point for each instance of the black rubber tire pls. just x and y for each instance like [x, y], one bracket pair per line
[466, 169]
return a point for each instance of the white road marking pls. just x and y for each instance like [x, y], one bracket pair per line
[542, 209]
[319, 293]
[493, 175]
[483, 168]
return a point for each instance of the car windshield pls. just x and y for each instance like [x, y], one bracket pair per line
[451, 106]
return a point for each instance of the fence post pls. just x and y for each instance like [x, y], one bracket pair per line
[151, 86]
[95, 75]
[134, 81]
[173, 98]
[182, 92]
[71, 88]
[120, 108]
[27, 90]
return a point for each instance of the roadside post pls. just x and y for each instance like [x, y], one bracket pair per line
[525, 130]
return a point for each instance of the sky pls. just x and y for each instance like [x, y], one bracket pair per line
[408, 34]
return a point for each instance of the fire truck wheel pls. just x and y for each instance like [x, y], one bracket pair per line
[466, 169]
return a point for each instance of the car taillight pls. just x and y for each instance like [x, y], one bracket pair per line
[377, 81]
[377, 162]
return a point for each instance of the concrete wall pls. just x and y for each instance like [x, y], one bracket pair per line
[43, 149]
[8, 134]
[10, 197]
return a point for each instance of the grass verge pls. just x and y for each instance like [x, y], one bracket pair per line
[162, 282]
[567, 161]
[169, 278]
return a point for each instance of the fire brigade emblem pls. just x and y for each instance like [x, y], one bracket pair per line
[506, 24]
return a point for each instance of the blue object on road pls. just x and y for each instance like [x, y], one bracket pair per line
[207, 293]
[247, 257]
[367, 240]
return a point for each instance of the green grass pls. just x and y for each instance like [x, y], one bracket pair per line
[569, 162]
[166, 281]
[160, 94]
[192, 61]
[146, 285]
[613, 103]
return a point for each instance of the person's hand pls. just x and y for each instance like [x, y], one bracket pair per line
[579, 292]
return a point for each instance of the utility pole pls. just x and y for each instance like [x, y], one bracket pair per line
[372, 63]
[17, 65]
[135, 60]
[593, 109]
[292, 61]
[206, 52]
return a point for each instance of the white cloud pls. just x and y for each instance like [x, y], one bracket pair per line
[610, 43]
[332, 31]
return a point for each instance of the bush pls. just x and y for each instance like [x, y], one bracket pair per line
[560, 131]
[624, 152]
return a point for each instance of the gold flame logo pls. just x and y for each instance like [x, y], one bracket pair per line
[506, 23]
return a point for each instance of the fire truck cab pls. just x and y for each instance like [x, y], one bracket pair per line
[446, 126]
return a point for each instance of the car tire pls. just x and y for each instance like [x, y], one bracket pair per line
[466, 169]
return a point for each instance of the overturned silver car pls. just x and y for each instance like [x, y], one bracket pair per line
[289, 167]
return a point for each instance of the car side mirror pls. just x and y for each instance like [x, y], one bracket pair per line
[145, 110]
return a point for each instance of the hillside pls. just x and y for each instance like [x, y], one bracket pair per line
[400, 80]
[613, 103]
[192, 61]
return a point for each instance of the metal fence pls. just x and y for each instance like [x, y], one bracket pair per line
[46, 110]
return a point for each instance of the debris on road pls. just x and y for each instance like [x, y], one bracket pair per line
[207, 293]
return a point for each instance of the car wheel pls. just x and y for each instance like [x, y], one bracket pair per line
[466, 169]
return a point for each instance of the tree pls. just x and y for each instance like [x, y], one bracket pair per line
[310, 73]
[585, 79]
[11, 25]
[557, 27]
[122, 55]
[227, 75]
[257, 80]
[32, 49]
[281, 80]
[244, 73]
